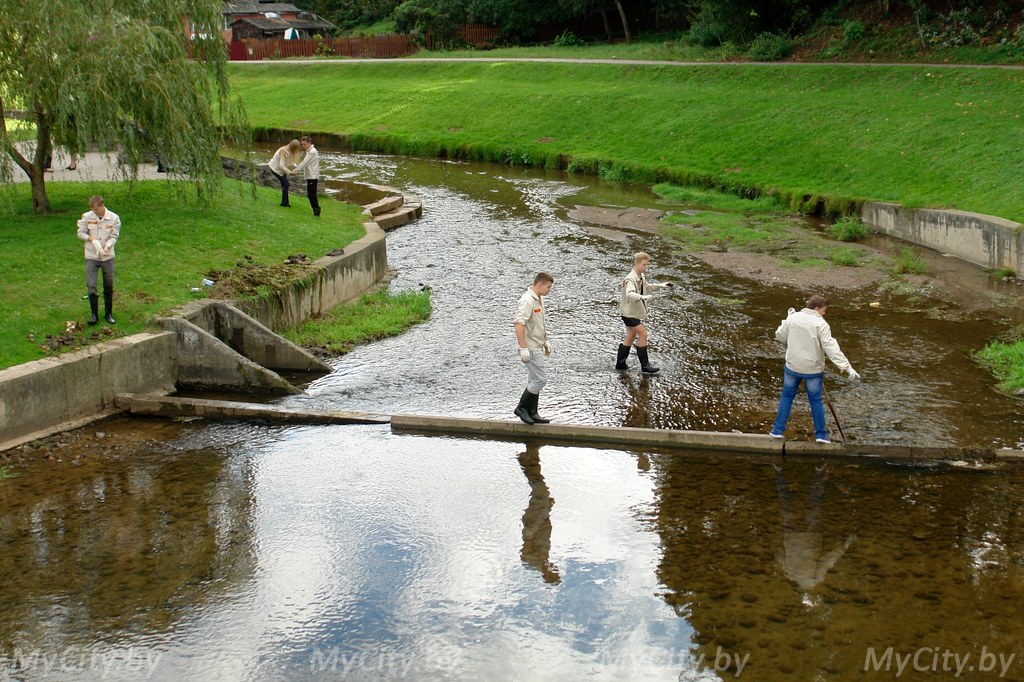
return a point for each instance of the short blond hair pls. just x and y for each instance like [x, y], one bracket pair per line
[640, 256]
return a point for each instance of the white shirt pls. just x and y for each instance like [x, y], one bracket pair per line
[530, 314]
[310, 164]
[808, 340]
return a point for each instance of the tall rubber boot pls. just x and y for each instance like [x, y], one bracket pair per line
[620, 357]
[645, 362]
[94, 306]
[537, 419]
[523, 409]
[108, 306]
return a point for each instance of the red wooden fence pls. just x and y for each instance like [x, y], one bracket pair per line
[382, 46]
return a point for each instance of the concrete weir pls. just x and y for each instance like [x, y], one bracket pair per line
[568, 434]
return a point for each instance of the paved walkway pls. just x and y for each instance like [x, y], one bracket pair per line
[94, 166]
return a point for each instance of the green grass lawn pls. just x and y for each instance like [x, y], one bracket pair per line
[168, 244]
[372, 317]
[920, 136]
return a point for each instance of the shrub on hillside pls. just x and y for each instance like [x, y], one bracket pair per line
[852, 31]
[769, 47]
[707, 33]
[567, 39]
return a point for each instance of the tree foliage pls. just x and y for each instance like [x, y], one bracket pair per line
[123, 75]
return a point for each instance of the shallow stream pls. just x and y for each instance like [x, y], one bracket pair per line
[172, 550]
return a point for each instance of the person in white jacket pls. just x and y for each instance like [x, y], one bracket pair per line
[635, 293]
[310, 169]
[99, 228]
[809, 341]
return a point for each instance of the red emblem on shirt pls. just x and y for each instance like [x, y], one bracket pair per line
[536, 310]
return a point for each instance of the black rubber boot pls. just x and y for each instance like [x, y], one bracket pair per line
[523, 409]
[645, 362]
[620, 358]
[537, 419]
[94, 306]
[108, 306]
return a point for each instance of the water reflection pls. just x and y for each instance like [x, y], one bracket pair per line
[807, 568]
[537, 517]
[96, 554]
[803, 558]
[245, 552]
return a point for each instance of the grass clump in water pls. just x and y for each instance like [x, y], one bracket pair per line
[373, 317]
[1005, 359]
[849, 229]
[908, 261]
[6, 473]
[845, 256]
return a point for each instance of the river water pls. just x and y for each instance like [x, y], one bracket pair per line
[166, 550]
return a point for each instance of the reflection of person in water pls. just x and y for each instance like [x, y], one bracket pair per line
[537, 517]
[803, 559]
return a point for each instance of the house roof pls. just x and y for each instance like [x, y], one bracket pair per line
[251, 7]
[280, 25]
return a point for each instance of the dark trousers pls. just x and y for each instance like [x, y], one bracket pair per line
[283, 179]
[91, 270]
[311, 193]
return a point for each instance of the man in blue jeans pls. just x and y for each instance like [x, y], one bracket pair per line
[808, 340]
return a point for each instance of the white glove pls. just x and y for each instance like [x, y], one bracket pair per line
[547, 348]
[853, 374]
[524, 354]
[670, 284]
[648, 297]
[97, 246]
[790, 312]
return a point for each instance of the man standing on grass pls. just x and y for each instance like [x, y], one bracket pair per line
[808, 340]
[534, 346]
[99, 228]
[310, 169]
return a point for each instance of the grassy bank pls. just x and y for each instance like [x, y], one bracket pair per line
[372, 317]
[167, 247]
[920, 136]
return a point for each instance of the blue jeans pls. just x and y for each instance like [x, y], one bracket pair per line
[790, 384]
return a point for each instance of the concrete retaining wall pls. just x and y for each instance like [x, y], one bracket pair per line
[984, 240]
[44, 396]
[335, 280]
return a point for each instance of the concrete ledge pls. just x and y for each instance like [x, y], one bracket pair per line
[385, 205]
[38, 396]
[606, 435]
[169, 406]
[984, 240]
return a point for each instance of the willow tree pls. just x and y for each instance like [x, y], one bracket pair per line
[129, 76]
